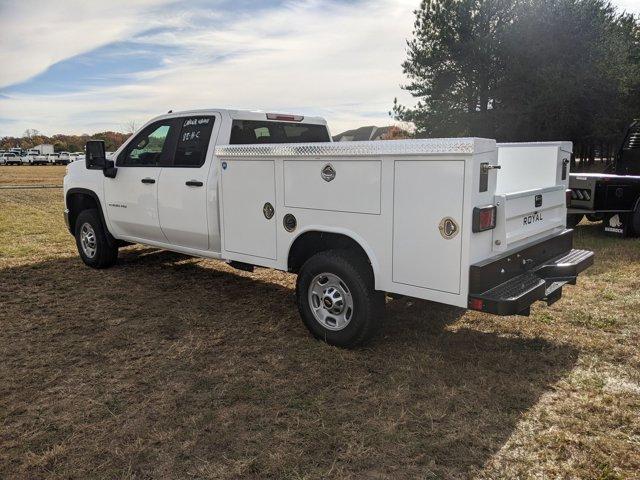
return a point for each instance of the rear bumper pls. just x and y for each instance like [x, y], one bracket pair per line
[509, 284]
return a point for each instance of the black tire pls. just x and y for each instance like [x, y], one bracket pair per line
[106, 252]
[574, 219]
[356, 276]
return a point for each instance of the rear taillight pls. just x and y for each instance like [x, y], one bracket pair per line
[476, 304]
[484, 218]
[568, 196]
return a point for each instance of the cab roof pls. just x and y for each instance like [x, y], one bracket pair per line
[248, 115]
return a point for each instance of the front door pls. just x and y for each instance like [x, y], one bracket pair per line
[183, 188]
[132, 196]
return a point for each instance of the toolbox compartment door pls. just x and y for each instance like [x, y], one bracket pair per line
[354, 185]
[425, 194]
[247, 185]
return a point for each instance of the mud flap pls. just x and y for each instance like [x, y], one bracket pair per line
[617, 224]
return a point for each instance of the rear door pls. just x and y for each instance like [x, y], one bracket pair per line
[183, 187]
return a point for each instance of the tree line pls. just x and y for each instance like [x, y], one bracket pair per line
[524, 70]
[61, 142]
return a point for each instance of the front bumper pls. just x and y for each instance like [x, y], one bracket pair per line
[509, 284]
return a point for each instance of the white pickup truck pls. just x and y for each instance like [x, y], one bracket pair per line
[9, 158]
[461, 221]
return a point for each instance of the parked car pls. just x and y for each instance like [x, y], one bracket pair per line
[613, 196]
[52, 158]
[423, 218]
[64, 158]
[29, 157]
[40, 159]
[9, 158]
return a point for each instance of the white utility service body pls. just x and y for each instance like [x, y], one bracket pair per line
[389, 196]
[416, 210]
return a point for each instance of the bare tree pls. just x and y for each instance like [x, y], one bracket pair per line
[30, 133]
[130, 127]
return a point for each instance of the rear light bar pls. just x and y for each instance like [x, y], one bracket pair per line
[284, 117]
[484, 218]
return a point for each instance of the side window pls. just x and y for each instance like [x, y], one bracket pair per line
[193, 141]
[146, 149]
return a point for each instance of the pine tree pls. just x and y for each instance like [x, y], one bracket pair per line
[453, 65]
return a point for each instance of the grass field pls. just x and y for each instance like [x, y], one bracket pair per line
[171, 367]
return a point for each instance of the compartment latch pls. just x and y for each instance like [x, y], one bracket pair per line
[485, 168]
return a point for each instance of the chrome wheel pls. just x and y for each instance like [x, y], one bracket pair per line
[330, 301]
[88, 240]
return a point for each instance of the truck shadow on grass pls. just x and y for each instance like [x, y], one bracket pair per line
[166, 366]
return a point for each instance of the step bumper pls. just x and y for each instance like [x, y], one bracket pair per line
[541, 281]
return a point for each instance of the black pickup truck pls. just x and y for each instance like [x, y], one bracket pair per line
[611, 197]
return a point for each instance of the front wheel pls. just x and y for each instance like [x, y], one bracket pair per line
[336, 298]
[91, 239]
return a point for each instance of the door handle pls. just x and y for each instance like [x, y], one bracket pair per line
[193, 183]
[148, 180]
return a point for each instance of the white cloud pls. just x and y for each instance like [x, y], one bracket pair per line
[341, 61]
[36, 34]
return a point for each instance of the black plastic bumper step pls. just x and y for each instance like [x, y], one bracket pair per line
[541, 282]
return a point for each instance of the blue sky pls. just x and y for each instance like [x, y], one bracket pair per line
[80, 66]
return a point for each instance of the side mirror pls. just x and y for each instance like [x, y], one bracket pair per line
[95, 155]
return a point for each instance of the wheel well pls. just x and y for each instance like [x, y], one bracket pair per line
[76, 203]
[310, 243]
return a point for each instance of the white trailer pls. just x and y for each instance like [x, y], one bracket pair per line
[45, 148]
[447, 220]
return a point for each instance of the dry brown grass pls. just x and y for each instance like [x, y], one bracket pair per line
[170, 367]
[35, 175]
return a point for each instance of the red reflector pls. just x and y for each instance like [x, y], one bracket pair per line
[476, 304]
[487, 218]
[484, 218]
[284, 118]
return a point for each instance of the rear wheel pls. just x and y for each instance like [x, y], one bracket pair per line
[91, 239]
[574, 219]
[336, 298]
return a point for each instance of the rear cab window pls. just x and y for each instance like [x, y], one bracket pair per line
[245, 132]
